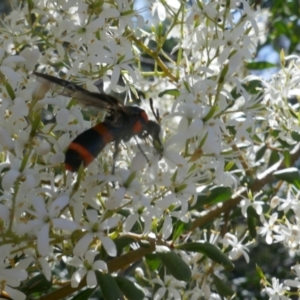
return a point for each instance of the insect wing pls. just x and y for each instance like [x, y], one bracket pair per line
[84, 97]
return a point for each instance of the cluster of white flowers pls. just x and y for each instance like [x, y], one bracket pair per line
[208, 117]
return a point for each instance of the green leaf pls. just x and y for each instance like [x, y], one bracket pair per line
[251, 222]
[172, 92]
[253, 86]
[153, 261]
[295, 136]
[10, 91]
[260, 153]
[260, 273]
[84, 295]
[123, 242]
[223, 288]
[213, 196]
[129, 179]
[210, 113]
[252, 212]
[30, 4]
[109, 287]
[186, 85]
[130, 289]
[211, 251]
[175, 265]
[287, 158]
[274, 158]
[179, 228]
[229, 165]
[223, 73]
[257, 139]
[290, 175]
[281, 27]
[260, 65]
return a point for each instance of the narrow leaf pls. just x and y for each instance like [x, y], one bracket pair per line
[109, 287]
[84, 295]
[211, 251]
[260, 153]
[175, 265]
[287, 158]
[172, 92]
[260, 273]
[251, 222]
[290, 175]
[122, 242]
[213, 196]
[153, 261]
[295, 136]
[179, 228]
[260, 65]
[10, 91]
[130, 289]
[222, 287]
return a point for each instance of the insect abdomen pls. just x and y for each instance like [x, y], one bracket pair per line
[87, 146]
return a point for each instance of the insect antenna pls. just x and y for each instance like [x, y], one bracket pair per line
[155, 112]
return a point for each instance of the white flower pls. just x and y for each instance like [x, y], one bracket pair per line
[87, 266]
[169, 286]
[10, 277]
[161, 9]
[45, 219]
[194, 294]
[296, 282]
[277, 291]
[291, 201]
[268, 228]
[41, 263]
[9, 179]
[119, 58]
[289, 233]
[96, 229]
[5, 139]
[31, 56]
[238, 248]
[256, 204]
[127, 15]
[274, 202]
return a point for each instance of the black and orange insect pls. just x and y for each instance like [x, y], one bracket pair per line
[121, 124]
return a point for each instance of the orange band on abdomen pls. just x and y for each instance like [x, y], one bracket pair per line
[86, 156]
[104, 132]
[137, 127]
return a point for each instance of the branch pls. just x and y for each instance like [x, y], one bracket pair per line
[113, 265]
[256, 186]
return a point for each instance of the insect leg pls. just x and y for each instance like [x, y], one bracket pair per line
[115, 155]
[148, 161]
